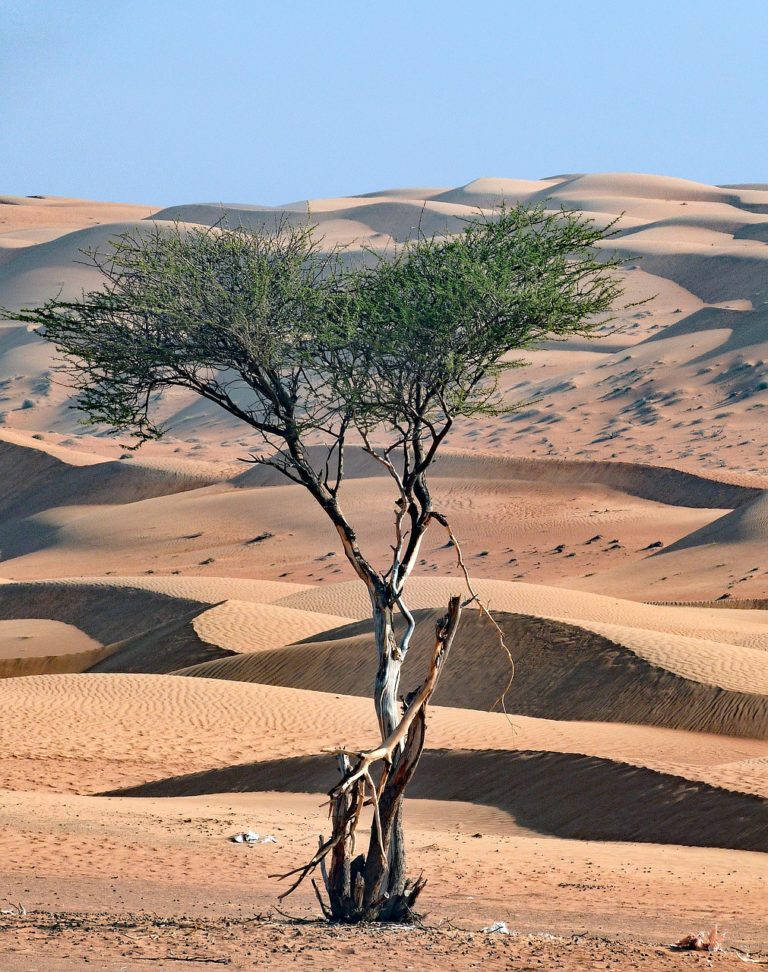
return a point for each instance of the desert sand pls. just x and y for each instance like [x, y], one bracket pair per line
[181, 639]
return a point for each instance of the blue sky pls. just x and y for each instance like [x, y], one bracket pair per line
[171, 101]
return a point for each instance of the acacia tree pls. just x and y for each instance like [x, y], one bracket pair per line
[311, 355]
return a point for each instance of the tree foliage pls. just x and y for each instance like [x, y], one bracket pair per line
[276, 331]
[303, 348]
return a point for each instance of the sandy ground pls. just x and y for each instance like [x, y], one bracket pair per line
[181, 640]
[101, 873]
[61, 942]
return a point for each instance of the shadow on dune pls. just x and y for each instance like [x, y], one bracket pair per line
[660, 484]
[108, 614]
[141, 631]
[562, 794]
[161, 650]
[34, 481]
[562, 671]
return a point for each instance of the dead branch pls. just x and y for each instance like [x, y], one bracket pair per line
[442, 519]
[392, 743]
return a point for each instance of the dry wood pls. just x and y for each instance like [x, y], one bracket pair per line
[356, 886]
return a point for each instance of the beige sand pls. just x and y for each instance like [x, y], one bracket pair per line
[243, 626]
[104, 732]
[110, 861]
[41, 647]
[181, 629]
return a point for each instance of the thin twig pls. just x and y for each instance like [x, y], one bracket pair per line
[442, 519]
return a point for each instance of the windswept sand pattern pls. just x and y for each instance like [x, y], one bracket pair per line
[736, 668]
[244, 626]
[100, 732]
[562, 671]
[93, 731]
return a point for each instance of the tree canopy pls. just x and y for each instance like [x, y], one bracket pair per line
[288, 339]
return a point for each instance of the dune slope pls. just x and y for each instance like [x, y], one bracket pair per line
[561, 671]
[597, 799]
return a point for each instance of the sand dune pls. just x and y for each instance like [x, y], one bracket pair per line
[731, 667]
[749, 522]
[99, 731]
[37, 476]
[544, 518]
[562, 671]
[41, 647]
[104, 731]
[160, 649]
[140, 612]
[152, 624]
[721, 559]
[203, 590]
[624, 803]
[28, 638]
[229, 628]
[106, 613]
[697, 247]
[655, 483]
[244, 626]
[350, 599]
[36, 273]
[26, 216]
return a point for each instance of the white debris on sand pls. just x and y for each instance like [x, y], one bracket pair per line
[498, 928]
[250, 837]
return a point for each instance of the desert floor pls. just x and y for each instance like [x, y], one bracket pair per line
[181, 640]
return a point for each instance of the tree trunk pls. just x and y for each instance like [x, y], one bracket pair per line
[385, 695]
[373, 886]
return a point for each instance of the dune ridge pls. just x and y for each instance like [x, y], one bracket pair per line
[562, 671]
[348, 598]
[661, 484]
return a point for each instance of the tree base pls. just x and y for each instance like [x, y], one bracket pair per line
[350, 909]
[372, 887]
